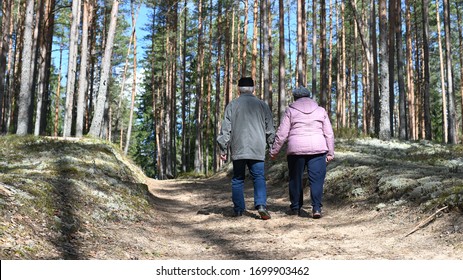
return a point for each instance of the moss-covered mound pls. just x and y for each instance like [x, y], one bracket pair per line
[54, 194]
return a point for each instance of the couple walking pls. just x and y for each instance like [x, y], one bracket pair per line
[247, 128]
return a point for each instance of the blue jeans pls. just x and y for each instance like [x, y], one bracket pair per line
[256, 169]
[316, 168]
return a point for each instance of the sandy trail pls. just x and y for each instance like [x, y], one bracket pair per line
[193, 221]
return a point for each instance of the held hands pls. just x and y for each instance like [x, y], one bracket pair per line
[223, 157]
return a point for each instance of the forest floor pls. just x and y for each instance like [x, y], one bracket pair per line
[375, 194]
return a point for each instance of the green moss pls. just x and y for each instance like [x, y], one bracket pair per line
[452, 198]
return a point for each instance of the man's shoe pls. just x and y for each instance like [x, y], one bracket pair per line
[237, 214]
[293, 212]
[316, 214]
[264, 214]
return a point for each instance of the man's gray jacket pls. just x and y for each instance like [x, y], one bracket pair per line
[247, 127]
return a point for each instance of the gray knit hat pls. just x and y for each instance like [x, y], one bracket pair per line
[301, 92]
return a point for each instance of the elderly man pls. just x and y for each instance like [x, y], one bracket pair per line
[247, 128]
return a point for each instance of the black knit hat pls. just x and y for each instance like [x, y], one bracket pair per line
[246, 82]
[301, 92]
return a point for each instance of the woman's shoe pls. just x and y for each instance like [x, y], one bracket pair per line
[316, 215]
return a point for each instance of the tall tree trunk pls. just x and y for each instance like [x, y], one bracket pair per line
[305, 39]
[343, 60]
[209, 114]
[83, 82]
[452, 129]
[41, 56]
[9, 96]
[217, 87]
[460, 43]
[72, 68]
[44, 70]
[231, 65]
[270, 56]
[183, 85]
[427, 107]
[419, 70]
[199, 101]
[410, 72]
[391, 58]
[300, 45]
[4, 47]
[355, 73]
[134, 83]
[442, 77]
[97, 122]
[245, 39]
[314, 46]
[26, 72]
[323, 67]
[281, 60]
[16, 66]
[374, 79]
[254, 43]
[58, 91]
[400, 72]
[266, 53]
[385, 129]
[289, 40]
[330, 59]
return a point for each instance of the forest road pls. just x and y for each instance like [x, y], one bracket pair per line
[193, 221]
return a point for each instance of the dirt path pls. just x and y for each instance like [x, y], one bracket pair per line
[193, 221]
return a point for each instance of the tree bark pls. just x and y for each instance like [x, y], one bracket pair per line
[400, 72]
[199, 100]
[245, 39]
[72, 68]
[452, 115]
[323, 71]
[4, 47]
[26, 72]
[97, 122]
[300, 46]
[183, 85]
[83, 82]
[266, 53]
[391, 46]
[460, 43]
[134, 83]
[254, 43]
[410, 73]
[442, 77]
[281, 61]
[217, 114]
[427, 109]
[314, 46]
[385, 129]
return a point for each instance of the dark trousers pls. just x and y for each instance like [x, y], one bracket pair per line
[256, 169]
[316, 168]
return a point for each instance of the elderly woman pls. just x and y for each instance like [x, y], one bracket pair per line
[307, 128]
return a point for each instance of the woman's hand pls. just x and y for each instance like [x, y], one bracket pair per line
[329, 158]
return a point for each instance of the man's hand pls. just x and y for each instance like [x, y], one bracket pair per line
[273, 157]
[223, 157]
